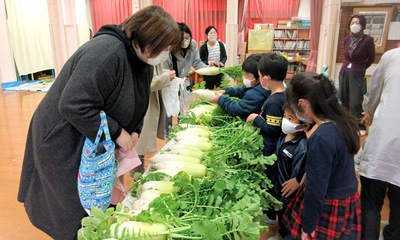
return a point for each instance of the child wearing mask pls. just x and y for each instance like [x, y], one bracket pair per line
[290, 165]
[252, 95]
[328, 205]
[272, 69]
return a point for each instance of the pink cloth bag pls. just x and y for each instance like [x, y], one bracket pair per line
[127, 161]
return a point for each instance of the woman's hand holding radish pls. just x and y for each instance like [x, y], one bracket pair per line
[212, 63]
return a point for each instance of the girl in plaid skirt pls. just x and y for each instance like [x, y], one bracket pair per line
[327, 206]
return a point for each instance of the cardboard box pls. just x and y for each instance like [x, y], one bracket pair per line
[257, 26]
[284, 24]
[266, 26]
[305, 23]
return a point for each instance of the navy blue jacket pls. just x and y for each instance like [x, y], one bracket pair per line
[251, 101]
[291, 163]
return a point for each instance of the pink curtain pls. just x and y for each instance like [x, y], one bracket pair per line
[109, 12]
[268, 11]
[315, 23]
[198, 15]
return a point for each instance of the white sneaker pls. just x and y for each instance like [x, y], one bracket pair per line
[381, 236]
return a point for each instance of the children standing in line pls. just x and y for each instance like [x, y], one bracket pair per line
[289, 167]
[328, 205]
[272, 69]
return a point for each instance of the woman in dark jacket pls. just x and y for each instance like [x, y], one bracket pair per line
[213, 53]
[112, 72]
[359, 54]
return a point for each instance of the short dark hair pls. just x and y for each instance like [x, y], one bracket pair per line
[289, 108]
[273, 65]
[250, 65]
[361, 18]
[209, 28]
[152, 26]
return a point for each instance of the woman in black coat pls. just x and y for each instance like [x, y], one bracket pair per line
[112, 72]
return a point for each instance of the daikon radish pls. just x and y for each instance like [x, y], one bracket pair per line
[173, 157]
[208, 71]
[141, 230]
[195, 132]
[204, 94]
[204, 107]
[192, 138]
[162, 186]
[197, 154]
[187, 147]
[149, 195]
[192, 126]
[204, 146]
[194, 169]
[141, 204]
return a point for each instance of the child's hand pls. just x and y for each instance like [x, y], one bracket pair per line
[251, 117]
[215, 99]
[289, 187]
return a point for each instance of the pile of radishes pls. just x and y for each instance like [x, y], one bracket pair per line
[185, 155]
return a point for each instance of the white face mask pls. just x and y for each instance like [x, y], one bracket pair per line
[212, 38]
[159, 59]
[266, 86]
[186, 43]
[289, 127]
[247, 82]
[355, 28]
[302, 118]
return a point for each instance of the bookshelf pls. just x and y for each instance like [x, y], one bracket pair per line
[291, 39]
[292, 42]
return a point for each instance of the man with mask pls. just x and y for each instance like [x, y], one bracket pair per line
[252, 95]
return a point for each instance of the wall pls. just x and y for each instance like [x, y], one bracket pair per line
[304, 8]
[7, 69]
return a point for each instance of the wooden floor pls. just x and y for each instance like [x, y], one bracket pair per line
[16, 109]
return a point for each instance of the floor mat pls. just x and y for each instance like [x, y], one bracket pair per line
[30, 86]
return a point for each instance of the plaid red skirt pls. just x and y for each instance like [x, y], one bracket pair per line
[340, 218]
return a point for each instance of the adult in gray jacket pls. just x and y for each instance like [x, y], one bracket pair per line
[182, 58]
[112, 72]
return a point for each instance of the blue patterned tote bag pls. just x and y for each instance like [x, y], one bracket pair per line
[97, 170]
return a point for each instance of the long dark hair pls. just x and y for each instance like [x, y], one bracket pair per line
[184, 29]
[322, 95]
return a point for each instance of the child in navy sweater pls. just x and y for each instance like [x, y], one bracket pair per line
[252, 95]
[328, 205]
[272, 69]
